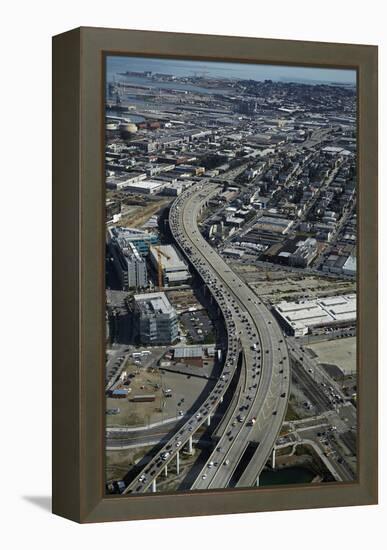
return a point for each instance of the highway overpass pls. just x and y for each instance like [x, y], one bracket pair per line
[255, 415]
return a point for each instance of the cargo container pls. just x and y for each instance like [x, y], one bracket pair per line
[121, 393]
[143, 398]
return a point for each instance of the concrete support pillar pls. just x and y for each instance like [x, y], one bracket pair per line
[190, 445]
[257, 482]
[177, 463]
[166, 470]
[273, 459]
[154, 488]
[209, 420]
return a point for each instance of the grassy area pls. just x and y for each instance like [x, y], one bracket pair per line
[302, 450]
[291, 414]
[119, 462]
[285, 451]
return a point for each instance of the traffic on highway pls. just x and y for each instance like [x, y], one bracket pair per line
[264, 379]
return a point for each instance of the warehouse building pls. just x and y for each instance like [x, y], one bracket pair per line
[299, 318]
[193, 355]
[174, 269]
[124, 181]
[145, 187]
[156, 320]
[273, 224]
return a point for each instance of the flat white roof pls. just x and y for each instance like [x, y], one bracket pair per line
[309, 313]
[146, 184]
[170, 259]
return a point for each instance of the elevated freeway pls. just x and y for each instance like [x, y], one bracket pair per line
[256, 416]
[258, 407]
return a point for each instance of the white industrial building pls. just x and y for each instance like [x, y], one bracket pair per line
[174, 269]
[124, 181]
[145, 187]
[157, 321]
[299, 318]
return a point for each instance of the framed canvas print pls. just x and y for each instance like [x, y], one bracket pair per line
[215, 275]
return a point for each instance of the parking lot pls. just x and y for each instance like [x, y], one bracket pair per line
[198, 327]
[340, 352]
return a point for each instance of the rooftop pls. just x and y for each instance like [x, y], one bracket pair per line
[146, 185]
[309, 313]
[125, 235]
[182, 352]
[170, 259]
[153, 302]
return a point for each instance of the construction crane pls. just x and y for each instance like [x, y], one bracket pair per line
[160, 265]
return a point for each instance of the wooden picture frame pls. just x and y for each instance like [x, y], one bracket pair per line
[78, 274]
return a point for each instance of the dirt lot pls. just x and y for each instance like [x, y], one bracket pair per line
[182, 300]
[186, 388]
[144, 382]
[277, 285]
[141, 214]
